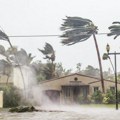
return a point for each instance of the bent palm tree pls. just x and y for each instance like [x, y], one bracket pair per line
[4, 36]
[50, 55]
[77, 29]
[48, 52]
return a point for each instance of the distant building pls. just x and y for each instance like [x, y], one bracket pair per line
[4, 80]
[67, 89]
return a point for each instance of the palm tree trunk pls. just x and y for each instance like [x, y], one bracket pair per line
[100, 64]
[18, 66]
[7, 79]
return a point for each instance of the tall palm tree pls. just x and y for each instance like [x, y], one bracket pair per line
[114, 29]
[77, 29]
[49, 53]
[3, 36]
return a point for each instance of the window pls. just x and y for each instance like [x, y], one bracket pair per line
[112, 88]
[67, 91]
[96, 89]
[75, 78]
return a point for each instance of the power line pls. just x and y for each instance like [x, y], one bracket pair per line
[34, 36]
[45, 35]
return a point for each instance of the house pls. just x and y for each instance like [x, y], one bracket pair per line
[68, 88]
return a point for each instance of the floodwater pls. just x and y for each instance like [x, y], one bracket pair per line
[68, 113]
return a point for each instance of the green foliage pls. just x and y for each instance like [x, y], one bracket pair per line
[114, 29]
[49, 52]
[60, 71]
[119, 96]
[11, 96]
[84, 99]
[109, 97]
[77, 29]
[97, 97]
[91, 71]
[49, 70]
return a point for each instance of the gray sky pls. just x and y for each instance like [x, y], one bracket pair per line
[33, 17]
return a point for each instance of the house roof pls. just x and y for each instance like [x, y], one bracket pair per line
[97, 79]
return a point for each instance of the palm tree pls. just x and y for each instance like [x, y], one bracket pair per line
[77, 29]
[114, 29]
[8, 59]
[49, 53]
[3, 36]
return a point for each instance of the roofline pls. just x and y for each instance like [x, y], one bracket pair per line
[104, 80]
[97, 79]
[68, 76]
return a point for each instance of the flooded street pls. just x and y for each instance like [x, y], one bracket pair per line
[70, 113]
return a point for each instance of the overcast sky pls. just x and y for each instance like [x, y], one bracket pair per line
[44, 17]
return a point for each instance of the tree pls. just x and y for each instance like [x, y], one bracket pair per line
[38, 66]
[91, 71]
[60, 71]
[3, 36]
[49, 53]
[10, 59]
[77, 29]
[78, 66]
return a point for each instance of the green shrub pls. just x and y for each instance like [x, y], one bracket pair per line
[11, 96]
[109, 97]
[119, 96]
[97, 97]
[84, 99]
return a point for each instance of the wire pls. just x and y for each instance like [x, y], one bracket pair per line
[46, 35]
[34, 36]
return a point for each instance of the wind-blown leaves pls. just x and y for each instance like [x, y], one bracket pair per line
[73, 22]
[2, 50]
[48, 52]
[114, 29]
[3, 36]
[77, 29]
[22, 57]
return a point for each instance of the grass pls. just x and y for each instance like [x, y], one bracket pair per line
[100, 105]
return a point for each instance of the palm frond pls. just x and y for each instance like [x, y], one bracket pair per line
[116, 22]
[73, 22]
[48, 51]
[77, 29]
[2, 50]
[114, 29]
[75, 39]
[48, 48]
[3, 36]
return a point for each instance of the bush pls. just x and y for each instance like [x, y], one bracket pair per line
[84, 99]
[119, 96]
[109, 97]
[11, 96]
[97, 97]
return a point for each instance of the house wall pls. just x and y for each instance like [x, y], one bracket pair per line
[57, 83]
[107, 84]
[92, 82]
[1, 99]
